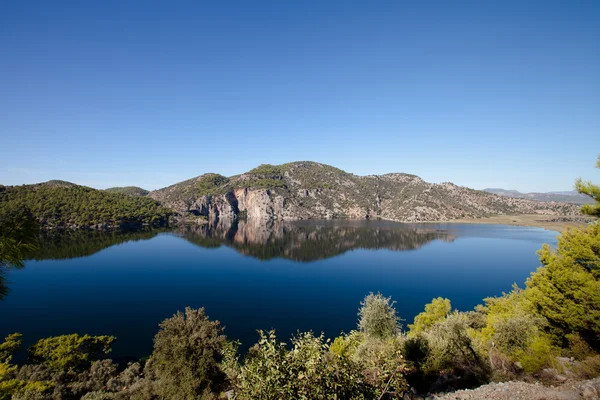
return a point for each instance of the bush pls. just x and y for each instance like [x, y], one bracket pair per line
[377, 317]
[187, 352]
[538, 355]
[308, 371]
[451, 349]
[578, 348]
[588, 368]
[70, 353]
[435, 311]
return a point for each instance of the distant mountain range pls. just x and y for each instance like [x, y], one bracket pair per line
[310, 190]
[566, 196]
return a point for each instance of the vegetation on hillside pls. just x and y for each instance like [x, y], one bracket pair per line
[73, 206]
[312, 190]
[128, 190]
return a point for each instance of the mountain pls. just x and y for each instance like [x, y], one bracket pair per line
[310, 190]
[565, 197]
[59, 204]
[128, 190]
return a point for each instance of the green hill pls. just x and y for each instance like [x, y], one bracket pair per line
[304, 189]
[57, 204]
[128, 190]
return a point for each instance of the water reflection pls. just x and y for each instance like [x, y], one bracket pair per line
[298, 241]
[310, 240]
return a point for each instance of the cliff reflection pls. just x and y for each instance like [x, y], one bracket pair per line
[265, 240]
[309, 240]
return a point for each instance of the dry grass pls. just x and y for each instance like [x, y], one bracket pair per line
[534, 220]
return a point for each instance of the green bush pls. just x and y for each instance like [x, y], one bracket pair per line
[307, 371]
[539, 354]
[435, 311]
[186, 359]
[377, 317]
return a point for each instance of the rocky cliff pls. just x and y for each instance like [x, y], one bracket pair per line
[309, 190]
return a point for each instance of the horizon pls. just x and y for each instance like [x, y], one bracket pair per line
[481, 95]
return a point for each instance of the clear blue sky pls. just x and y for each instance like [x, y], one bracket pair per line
[482, 93]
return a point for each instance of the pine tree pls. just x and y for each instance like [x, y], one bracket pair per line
[589, 189]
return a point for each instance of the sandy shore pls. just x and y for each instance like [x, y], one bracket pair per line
[535, 220]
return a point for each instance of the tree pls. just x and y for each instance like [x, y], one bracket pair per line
[435, 311]
[566, 289]
[18, 235]
[70, 353]
[377, 316]
[589, 189]
[187, 352]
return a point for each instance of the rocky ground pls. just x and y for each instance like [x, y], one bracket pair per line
[589, 389]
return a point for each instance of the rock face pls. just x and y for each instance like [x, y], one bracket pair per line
[308, 190]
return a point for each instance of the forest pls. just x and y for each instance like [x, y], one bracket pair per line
[63, 205]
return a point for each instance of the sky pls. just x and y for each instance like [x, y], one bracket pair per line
[479, 93]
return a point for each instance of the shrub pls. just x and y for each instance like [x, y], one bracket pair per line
[435, 311]
[588, 368]
[308, 371]
[187, 352]
[451, 349]
[538, 355]
[70, 353]
[377, 316]
[578, 348]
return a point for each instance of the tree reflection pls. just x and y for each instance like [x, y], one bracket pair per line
[309, 240]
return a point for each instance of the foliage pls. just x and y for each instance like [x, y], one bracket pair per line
[382, 363]
[451, 348]
[591, 190]
[578, 348]
[588, 368]
[79, 206]
[538, 354]
[435, 311]
[18, 234]
[211, 184]
[70, 353]
[187, 352]
[566, 290]
[10, 344]
[18, 389]
[128, 190]
[308, 371]
[377, 316]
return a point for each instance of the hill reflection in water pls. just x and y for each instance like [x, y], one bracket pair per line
[299, 241]
[310, 240]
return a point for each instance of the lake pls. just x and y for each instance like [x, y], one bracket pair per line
[294, 276]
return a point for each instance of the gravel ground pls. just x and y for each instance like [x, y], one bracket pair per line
[527, 391]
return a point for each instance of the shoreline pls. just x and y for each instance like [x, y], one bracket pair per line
[530, 220]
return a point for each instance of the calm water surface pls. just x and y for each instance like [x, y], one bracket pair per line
[290, 277]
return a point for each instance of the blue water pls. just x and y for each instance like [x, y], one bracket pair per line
[126, 289]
